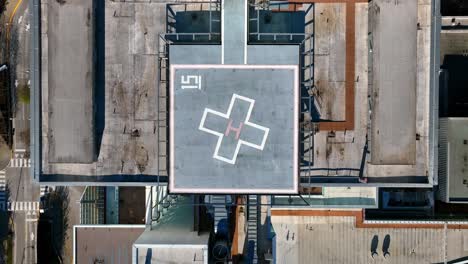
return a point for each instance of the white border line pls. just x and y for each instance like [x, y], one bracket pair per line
[295, 188]
[246, 33]
[194, 246]
[222, 31]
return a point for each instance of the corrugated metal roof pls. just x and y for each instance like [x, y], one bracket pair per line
[336, 239]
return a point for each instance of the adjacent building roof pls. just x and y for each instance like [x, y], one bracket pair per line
[173, 238]
[394, 89]
[68, 80]
[453, 173]
[98, 92]
[342, 237]
[105, 243]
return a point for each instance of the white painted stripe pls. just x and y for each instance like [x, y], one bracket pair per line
[20, 150]
[23, 206]
[20, 163]
[222, 31]
[246, 19]
[110, 226]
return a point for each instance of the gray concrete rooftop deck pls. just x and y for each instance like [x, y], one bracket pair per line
[129, 93]
[70, 90]
[206, 150]
[340, 153]
[393, 94]
[126, 85]
[457, 158]
[109, 243]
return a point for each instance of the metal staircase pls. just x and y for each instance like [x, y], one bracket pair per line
[163, 112]
[252, 223]
[219, 210]
[92, 206]
[215, 18]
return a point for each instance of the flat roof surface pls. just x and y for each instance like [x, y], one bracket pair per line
[393, 117]
[234, 128]
[125, 95]
[112, 244]
[175, 227]
[457, 159]
[340, 153]
[336, 239]
[172, 239]
[70, 82]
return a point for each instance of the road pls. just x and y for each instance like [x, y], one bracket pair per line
[24, 207]
[24, 193]
[19, 59]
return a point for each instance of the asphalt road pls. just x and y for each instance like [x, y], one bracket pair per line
[19, 49]
[24, 193]
[24, 200]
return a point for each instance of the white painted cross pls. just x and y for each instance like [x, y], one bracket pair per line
[244, 124]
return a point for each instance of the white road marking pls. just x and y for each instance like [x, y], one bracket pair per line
[2, 190]
[19, 161]
[222, 32]
[246, 32]
[23, 206]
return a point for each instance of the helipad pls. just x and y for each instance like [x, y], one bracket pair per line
[234, 128]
